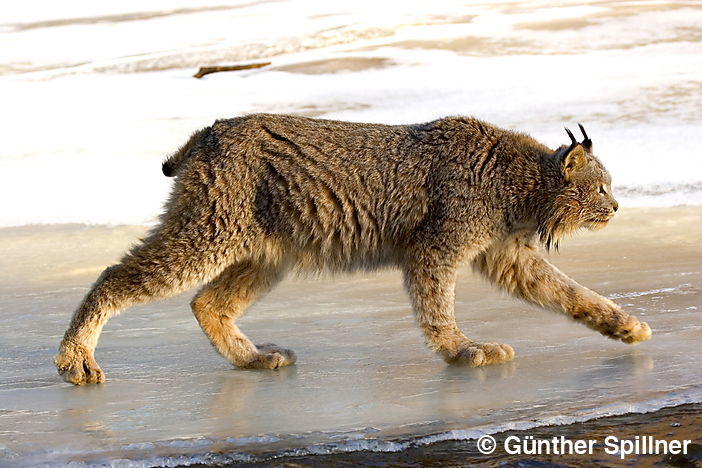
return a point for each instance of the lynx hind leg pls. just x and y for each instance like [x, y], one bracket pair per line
[431, 284]
[217, 306]
[157, 268]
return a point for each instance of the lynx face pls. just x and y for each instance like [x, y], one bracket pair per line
[585, 199]
[590, 188]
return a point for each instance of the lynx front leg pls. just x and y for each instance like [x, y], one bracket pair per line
[430, 282]
[517, 267]
[220, 303]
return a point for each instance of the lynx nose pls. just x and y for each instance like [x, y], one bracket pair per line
[615, 206]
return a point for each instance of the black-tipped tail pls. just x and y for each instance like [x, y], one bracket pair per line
[167, 169]
[174, 162]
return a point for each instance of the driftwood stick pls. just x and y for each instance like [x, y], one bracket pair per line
[207, 70]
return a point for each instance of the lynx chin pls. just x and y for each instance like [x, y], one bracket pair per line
[260, 195]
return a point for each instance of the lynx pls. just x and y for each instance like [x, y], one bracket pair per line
[260, 195]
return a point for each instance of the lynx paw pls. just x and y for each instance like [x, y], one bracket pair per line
[271, 356]
[477, 354]
[633, 331]
[75, 363]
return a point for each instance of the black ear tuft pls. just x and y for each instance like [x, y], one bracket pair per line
[587, 142]
[573, 141]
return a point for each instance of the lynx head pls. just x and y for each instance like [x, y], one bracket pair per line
[583, 194]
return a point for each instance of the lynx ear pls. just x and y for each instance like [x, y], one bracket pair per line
[572, 161]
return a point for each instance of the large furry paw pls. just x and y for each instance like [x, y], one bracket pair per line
[608, 318]
[631, 330]
[480, 354]
[75, 363]
[271, 356]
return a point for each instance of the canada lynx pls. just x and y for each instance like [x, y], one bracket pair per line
[256, 196]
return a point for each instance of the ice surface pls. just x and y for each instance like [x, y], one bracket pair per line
[364, 379]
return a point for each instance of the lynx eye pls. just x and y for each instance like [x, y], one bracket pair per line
[602, 190]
